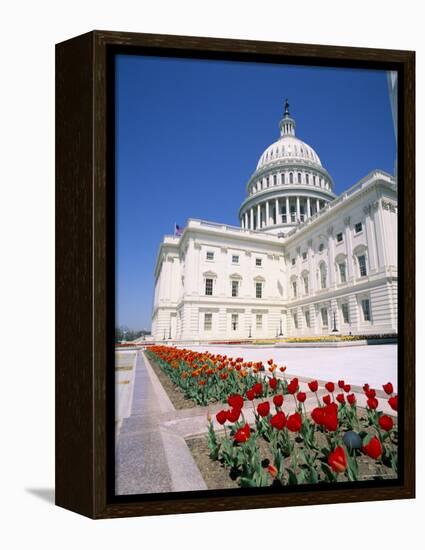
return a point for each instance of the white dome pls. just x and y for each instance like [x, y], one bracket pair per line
[289, 148]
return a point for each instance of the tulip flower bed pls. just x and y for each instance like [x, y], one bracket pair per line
[206, 378]
[336, 441]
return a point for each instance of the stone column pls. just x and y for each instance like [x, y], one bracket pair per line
[349, 244]
[246, 220]
[258, 216]
[308, 208]
[267, 213]
[317, 205]
[298, 210]
[251, 212]
[331, 251]
[277, 211]
[311, 274]
[288, 219]
[370, 237]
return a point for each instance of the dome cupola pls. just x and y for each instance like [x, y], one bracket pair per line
[289, 184]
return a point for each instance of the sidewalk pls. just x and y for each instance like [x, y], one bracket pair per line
[151, 458]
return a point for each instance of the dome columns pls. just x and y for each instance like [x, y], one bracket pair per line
[288, 210]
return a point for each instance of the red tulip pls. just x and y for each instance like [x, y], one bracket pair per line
[388, 388]
[301, 396]
[263, 409]
[258, 389]
[278, 400]
[293, 386]
[341, 384]
[294, 422]
[351, 398]
[273, 471]
[234, 414]
[337, 460]
[340, 398]
[330, 417]
[273, 383]
[317, 415]
[235, 401]
[221, 417]
[373, 448]
[393, 402]
[278, 421]
[250, 394]
[270, 362]
[386, 422]
[330, 386]
[372, 403]
[313, 386]
[347, 388]
[243, 434]
[370, 394]
[327, 399]
[366, 387]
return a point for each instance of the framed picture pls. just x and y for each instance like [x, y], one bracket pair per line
[235, 274]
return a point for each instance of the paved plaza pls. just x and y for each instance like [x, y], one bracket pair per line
[375, 365]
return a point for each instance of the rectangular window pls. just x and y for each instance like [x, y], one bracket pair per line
[210, 255]
[208, 287]
[342, 272]
[235, 259]
[235, 320]
[258, 262]
[235, 288]
[358, 227]
[324, 313]
[259, 321]
[362, 265]
[258, 290]
[294, 289]
[295, 319]
[366, 309]
[293, 261]
[345, 313]
[305, 279]
[304, 255]
[208, 321]
[307, 318]
[339, 238]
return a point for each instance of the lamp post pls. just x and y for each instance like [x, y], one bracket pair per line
[280, 327]
[249, 335]
[164, 334]
[334, 329]
[169, 331]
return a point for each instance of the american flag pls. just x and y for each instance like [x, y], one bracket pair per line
[177, 230]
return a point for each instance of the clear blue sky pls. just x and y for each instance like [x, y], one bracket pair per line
[189, 134]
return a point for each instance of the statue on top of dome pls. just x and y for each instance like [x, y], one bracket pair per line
[286, 107]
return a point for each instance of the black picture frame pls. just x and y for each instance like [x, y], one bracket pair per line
[85, 279]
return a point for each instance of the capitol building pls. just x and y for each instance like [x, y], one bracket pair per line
[304, 262]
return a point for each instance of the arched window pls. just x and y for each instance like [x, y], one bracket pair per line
[323, 275]
[299, 177]
[291, 177]
[304, 277]
[341, 265]
[360, 254]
